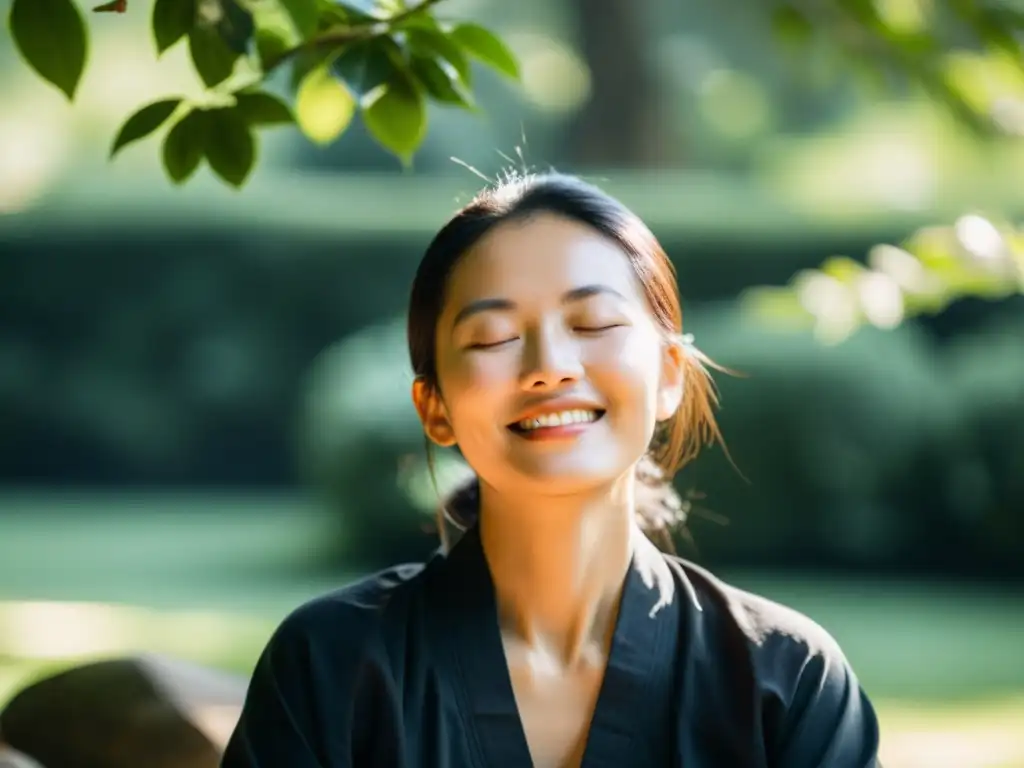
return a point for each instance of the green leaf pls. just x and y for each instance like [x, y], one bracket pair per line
[323, 106]
[51, 37]
[275, 33]
[262, 108]
[306, 61]
[236, 26]
[422, 19]
[368, 64]
[271, 43]
[396, 117]
[334, 14]
[172, 20]
[143, 123]
[485, 46]
[213, 59]
[304, 14]
[230, 146]
[440, 82]
[184, 146]
[361, 9]
[435, 43]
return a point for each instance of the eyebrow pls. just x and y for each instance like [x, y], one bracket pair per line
[507, 305]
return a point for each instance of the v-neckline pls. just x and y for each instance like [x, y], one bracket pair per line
[638, 673]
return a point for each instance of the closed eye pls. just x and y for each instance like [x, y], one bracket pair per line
[597, 329]
[492, 344]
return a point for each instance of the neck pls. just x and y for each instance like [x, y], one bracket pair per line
[558, 565]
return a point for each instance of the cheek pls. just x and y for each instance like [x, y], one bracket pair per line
[474, 387]
[479, 377]
[631, 367]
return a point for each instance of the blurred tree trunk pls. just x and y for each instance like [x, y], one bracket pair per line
[623, 124]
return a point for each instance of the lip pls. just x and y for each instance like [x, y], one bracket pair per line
[556, 406]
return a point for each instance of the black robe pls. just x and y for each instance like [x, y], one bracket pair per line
[406, 669]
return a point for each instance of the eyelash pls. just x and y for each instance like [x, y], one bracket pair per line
[578, 330]
[599, 329]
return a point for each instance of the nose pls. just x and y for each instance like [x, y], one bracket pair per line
[550, 361]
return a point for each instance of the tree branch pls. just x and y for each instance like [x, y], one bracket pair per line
[352, 33]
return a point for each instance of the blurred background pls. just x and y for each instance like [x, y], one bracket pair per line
[204, 414]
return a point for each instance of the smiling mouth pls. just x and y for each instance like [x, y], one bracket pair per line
[576, 417]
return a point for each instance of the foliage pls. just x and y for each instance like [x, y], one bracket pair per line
[949, 48]
[383, 59]
[932, 269]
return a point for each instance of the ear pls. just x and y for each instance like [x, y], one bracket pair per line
[672, 383]
[432, 412]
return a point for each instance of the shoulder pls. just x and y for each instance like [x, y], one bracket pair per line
[814, 710]
[322, 658]
[340, 622]
[785, 650]
[367, 596]
[766, 624]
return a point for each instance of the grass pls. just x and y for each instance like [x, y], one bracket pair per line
[206, 579]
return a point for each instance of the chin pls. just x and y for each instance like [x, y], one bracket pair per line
[566, 478]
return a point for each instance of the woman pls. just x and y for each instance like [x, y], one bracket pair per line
[545, 335]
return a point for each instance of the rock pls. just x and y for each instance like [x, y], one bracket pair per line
[149, 711]
[10, 758]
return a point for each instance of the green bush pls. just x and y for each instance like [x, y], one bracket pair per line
[985, 371]
[359, 438]
[826, 439]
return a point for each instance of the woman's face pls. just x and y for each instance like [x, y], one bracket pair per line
[552, 369]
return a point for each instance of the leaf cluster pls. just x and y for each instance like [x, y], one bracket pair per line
[915, 44]
[383, 61]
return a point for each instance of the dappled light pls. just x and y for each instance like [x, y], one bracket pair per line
[30, 160]
[935, 268]
[985, 243]
[986, 736]
[555, 79]
[45, 632]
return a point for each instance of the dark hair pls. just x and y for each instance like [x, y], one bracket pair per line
[518, 197]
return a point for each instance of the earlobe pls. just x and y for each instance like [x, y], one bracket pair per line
[668, 404]
[433, 414]
[440, 432]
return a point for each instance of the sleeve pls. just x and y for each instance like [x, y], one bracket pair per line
[829, 722]
[285, 714]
